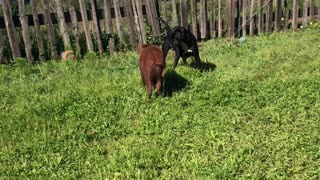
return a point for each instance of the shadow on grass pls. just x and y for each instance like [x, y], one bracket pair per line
[173, 83]
[205, 66]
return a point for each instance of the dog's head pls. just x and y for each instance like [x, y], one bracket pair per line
[177, 36]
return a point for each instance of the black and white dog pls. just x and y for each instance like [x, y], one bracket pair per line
[182, 41]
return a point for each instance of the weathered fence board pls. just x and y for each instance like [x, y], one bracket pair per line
[37, 30]
[295, 15]
[278, 15]
[183, 12]
[269, 17]
[204, 19]
[251, 31]
[130, 19]
[125, 19]
[86, 25]
[164, 10]
[220, 25]
[109, 25]
[152, 17]
[194, 18]
[212, 19]
[174, 13]
[244, 17]
[11, 31]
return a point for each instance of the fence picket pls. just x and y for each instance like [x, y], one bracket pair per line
[260, 18]
[174, 13]
[278, 15]
[226, 18]
[252, 17]
[164, 10]
[203, 23]
[183, 13]
[269, 16]
[212, 19]
[194, 18]
[130, 20]
[305, 12]
[220, 25]
[295, 15]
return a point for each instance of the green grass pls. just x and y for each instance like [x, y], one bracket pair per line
[255, 116]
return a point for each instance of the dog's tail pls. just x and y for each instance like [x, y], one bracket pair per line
[166, 25]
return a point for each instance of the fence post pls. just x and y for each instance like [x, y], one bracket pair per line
[109, 25]
[85, 22]
[220, 25]
[62, 24]
[269, 16]
[312, 9]
[183, 13]
[130, 20]
[278, 15]
[260, 17]
[252, 17]
[286, 11]
[174, 13]
[305, 13]
[194, 18]
[116, 5]
[50, 29]
[164, 10]
[11, 30]
[153, 16]
[96, 25]
[319, 9]
[295, 15]
[3, 58]
[244, 17]
[230, 18]
[37, 30]
[238, 8]
[137, 10]
[212, 20]
[25, 31]
[203, 12]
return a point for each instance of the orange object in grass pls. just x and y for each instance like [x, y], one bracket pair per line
[68, 55]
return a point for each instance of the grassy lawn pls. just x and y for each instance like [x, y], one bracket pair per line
[254, 113]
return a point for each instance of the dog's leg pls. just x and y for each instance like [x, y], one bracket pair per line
[198, 61]
[159, 86]
[149, 89]
[142, 78]
[184, 60]
[166, 46]
[176, 57]
[163, 82]
[196, 56]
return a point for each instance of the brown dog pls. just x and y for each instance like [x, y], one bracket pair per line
[151, 64]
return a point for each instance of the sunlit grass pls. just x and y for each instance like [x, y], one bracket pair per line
[253, 115]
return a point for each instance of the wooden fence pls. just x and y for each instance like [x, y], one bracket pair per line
[120, 24]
